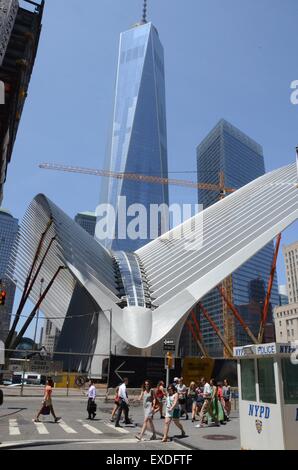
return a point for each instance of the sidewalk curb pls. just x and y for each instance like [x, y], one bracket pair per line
[25, 444]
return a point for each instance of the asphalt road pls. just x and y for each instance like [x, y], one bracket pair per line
[74, 431]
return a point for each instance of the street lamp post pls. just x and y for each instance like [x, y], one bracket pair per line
[37, 314]
[110, 346]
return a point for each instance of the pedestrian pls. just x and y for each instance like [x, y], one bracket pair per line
[192, 397]
[123, 404]
[227, 397]
[215, 412]
[221, 402]
[172, 413]
[160, 395]
[91, 405]
[47, 404]
[199, 398]
[207, 395]
[175, 382]
[116, 404]
[148, 397]
[182, 392]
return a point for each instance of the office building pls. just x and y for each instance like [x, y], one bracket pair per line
[50, 337]
[8, 234]
[139, 133]
[290, 253]
[286, 315]
[283, 295]
[87, 220]
[286, 323]
[230, 155]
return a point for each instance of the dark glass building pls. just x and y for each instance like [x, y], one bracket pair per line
[240, 159]
[8, 233]
[139, 133]
[87, 220]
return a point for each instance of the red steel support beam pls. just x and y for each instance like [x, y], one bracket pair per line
[200, 338]
[189, 324]
[216, 329]
[269, 290]
[32, 314]
[26, 291]
[237, 314]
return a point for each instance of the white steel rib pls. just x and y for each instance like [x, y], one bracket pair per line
[177, 270]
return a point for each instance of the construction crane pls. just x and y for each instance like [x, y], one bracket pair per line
[142, 178]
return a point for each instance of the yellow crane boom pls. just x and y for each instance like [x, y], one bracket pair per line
[138, 177]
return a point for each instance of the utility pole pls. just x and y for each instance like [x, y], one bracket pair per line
[37, 315]
[110, 355]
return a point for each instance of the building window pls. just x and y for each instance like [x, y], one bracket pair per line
[266, 381]
[290, 381]
[248, 381]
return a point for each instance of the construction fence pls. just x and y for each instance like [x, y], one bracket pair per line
[24, 373]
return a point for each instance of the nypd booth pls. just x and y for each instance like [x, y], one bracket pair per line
[268, 395]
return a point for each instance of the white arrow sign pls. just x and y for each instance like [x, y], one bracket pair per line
[123, 371]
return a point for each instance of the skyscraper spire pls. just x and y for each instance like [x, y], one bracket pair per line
[144, 19]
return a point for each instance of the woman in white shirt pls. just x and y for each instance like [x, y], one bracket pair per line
[172, 413]
[182, 393]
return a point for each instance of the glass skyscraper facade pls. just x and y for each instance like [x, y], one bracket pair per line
[87, 220]
[228, 150]
[139, 133]
[8, 233]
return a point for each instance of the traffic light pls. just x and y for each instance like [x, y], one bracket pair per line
[2, 297]
[169, 357]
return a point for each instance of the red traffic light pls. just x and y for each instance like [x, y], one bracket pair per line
[2, 297]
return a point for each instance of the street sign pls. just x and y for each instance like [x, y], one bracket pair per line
[123, 373]
[35, 365]
[45, 366]
[169, 345]
[138, 369]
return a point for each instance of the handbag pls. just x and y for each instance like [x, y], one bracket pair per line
[45, 410]
[92, 407]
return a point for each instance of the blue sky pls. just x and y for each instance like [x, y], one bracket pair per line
[232, 59]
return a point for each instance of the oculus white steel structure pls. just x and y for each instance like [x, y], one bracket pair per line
[163, 280]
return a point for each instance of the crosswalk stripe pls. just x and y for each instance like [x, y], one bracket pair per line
[90, 428]
[41, 429]
[14, 428]
[67, 428]
[123, 431]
